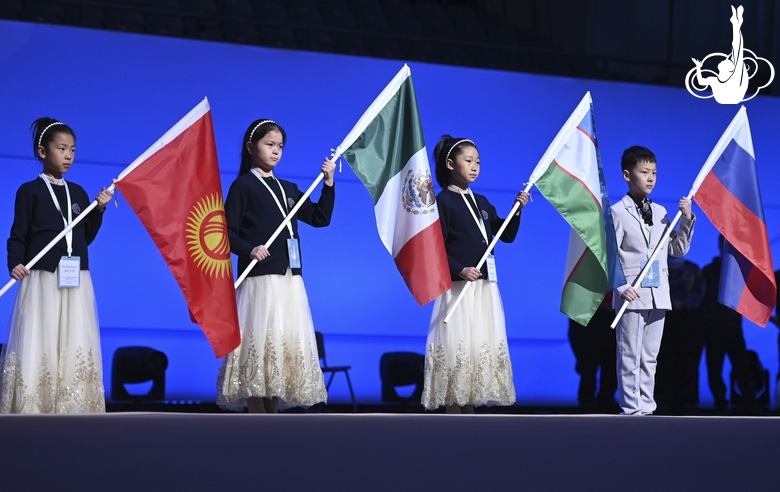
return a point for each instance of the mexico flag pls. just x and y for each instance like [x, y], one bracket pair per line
[387, 152]
[175, 190]
[571, 177]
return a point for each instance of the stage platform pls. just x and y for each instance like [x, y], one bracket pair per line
[393, 452]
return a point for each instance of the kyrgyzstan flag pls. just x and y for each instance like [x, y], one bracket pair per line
[175, 190]
[728, 193]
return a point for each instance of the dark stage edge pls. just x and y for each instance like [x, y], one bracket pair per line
[377, 452]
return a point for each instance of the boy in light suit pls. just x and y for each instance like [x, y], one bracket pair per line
[639, 225]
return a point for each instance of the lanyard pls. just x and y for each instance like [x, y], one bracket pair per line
[69, 235]
[480, 223]
[276, 200]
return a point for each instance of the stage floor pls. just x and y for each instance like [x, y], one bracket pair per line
[377, 452]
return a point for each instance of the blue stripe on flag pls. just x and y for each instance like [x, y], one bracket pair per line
[735, 268]
[586, 125]
[736, 169]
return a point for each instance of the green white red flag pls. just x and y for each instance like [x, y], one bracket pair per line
[386, 150]
[571, 177]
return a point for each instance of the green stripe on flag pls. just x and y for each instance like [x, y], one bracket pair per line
[584, 290]
[578, 206]
[388, 142]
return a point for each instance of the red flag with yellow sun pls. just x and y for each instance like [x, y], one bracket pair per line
[175, 190]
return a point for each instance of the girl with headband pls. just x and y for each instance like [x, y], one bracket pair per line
[277, 362]
[52, 361]
[467, 360]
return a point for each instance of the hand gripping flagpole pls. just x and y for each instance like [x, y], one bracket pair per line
[482, 260]
[734, 127]
[54, 241]
[283, 224]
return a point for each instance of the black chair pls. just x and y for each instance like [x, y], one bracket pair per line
[138, 365]
[760, 378]
[402, 369]
[333, 369]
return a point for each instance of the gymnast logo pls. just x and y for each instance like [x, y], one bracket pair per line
[735, 70]
[207, 238]
[417, 195]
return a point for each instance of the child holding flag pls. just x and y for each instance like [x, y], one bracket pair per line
[639, 226]
[52, 361]
[467, 361]
[277, 358]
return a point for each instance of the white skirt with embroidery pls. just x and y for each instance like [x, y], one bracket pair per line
[278, 352]
[467, 360]
[51, 362]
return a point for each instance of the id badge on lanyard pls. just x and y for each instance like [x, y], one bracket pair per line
[293, 253]
[653, 277]
[491, 268]
[69, 272]
[69, 267]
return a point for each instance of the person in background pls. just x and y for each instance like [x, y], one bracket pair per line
[723, 336]
[594, 348]
[677, 374]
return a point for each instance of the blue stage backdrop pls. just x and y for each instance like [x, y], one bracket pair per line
[121, 92]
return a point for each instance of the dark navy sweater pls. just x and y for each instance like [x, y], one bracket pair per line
[252, 216]
[37, 222]
[462, 238]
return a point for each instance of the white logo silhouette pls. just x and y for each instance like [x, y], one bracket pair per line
[735, 70]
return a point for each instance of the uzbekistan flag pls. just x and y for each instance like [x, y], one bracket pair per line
[727, 191]
[175, 190]
[386, 150]
[571, 177]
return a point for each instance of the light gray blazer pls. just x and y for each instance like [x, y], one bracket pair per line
[633, 249]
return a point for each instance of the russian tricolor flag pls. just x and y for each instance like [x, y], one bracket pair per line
[727, 191]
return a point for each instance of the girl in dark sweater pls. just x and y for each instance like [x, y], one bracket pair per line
[51, 362]
[467, 361]
[277, 359]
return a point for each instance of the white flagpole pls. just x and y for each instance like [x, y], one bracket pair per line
[54, 241]
[731, 131]
[485, 255]
[283, 224]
